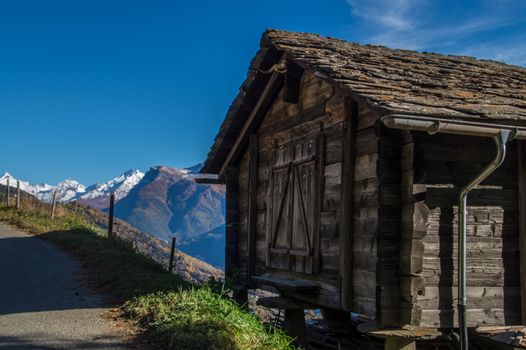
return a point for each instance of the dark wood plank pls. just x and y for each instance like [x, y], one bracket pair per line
[286, 284]
[252, 205]
[346, 205]
[317, 208]
[232, 221]
[285, 303]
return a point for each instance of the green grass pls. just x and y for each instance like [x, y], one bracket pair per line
[175, 314]
[202, 319]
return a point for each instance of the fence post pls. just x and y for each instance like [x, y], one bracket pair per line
[18, 195]
[172, 256]
[110, 218]
[8, 200]
[54, 205]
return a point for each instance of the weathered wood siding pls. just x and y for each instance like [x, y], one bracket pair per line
[366, 214]
[319, 113]
[441, 165]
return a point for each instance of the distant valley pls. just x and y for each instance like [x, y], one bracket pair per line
[164, 202]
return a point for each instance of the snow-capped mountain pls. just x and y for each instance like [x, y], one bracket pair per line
[70, 190]
[121, 185]
[97, 195]
[67, 191]
[24, 186]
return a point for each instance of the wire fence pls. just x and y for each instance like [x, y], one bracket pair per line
[12, 196]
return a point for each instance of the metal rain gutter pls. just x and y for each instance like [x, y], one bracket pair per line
[500, 142]
[448, 126]
[500, 135]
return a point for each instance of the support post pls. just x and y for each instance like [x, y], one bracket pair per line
[295, 326]
[8, 199]
[54, 204]
[172, 255]
[399, 344]
[346, 206]
[110, 214]
[18, 195]
[240, 296]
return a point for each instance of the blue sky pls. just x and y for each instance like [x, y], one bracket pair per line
[91, 88]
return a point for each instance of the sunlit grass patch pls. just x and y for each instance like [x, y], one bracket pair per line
[202, 319]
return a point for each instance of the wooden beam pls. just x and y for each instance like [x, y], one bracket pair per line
[285, 303]
[252, 205]
[286, 284]
[346, 206]
[208, 179]
[291, 88]
[258, 113]
[232, 222]
[294, 323]
[399, 344]
[318, 199]
[522, 223]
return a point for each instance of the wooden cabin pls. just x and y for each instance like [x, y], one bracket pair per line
[332, 203]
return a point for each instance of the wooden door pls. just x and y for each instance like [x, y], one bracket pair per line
[294, 208]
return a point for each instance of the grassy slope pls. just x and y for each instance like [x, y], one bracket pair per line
[178, 315]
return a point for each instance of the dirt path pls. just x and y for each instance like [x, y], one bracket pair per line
[43, 305]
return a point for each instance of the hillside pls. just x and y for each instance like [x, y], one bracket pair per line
[167, 202]
[189, 268]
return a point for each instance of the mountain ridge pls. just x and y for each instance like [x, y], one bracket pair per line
[163, 202]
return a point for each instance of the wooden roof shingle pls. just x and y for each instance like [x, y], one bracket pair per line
[390, 80]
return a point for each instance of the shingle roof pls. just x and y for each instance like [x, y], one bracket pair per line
[392, 81]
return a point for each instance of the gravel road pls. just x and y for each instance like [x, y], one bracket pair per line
[43, 304]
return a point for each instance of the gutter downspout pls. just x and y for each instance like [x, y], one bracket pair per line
[500, 134]
[500, 141]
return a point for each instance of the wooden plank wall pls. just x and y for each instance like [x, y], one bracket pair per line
[366, 214]
[413, 228]
[442, 165]
[319, 109]
[390, 265]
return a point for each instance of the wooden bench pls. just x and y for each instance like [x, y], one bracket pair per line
[294, 322]
[287, 285]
